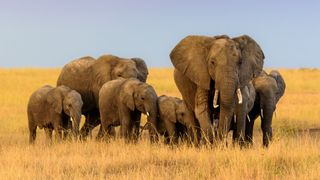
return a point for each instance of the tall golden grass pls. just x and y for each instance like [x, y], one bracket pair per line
[293, 154]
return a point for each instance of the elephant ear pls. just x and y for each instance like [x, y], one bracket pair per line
[190, 58]
[280, 83]
[167, 109]
[252, 58]
[54, 98]
[142, 69]
[128, 94]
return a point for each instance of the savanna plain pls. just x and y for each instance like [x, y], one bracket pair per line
[293, 154]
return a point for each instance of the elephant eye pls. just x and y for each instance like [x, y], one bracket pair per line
[119, 75]
[212, 62]
[142, 98]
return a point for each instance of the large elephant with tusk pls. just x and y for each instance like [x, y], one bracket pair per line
[210, 72]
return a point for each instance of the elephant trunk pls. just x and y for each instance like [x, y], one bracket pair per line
[152, 119]
[75, 118]
[227, 102]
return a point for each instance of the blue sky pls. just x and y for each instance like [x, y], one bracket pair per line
[37, 33]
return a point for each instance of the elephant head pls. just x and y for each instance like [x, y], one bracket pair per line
[109, 67]
[175, 110]
[142, 97]
[226, 64]
[64, 100]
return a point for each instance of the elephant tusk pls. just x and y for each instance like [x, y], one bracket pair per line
[147, 113]
[248, 118]
[239, 96]
[261, 113]
[71, 119]
[215, 99]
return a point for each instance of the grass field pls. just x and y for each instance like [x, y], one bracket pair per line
[292, 155]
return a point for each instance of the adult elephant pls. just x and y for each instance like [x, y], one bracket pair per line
[269, 89]
[87, 75]
[207, 67]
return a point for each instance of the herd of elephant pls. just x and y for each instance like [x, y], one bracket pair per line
[221, 80]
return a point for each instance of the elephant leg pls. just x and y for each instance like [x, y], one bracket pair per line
[67, 126]
[253, 115]
[57, 126]
[136, 125]
[266, 122]
[202, 113]
[33, 133]
[110, 131]
[249, 130]
[92, 121]
[166, 138]
[48, 132]
[126, 129]
[171, 131]
[101, 133]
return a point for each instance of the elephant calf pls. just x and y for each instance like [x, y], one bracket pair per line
[122, 101]
[269, 89]
[242, 112]
[52, 108]
[176, 120]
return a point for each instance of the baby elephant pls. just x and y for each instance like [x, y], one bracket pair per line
[52, 108]
[122, 101]
[176, 120]
[269, 88]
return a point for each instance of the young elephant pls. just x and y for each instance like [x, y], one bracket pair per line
[242, 112]
[176, 120]
[51, 108]
[269, 88]
[122, 101]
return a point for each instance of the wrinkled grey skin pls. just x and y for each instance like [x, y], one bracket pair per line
[51, 108]
[269, 89]
[176, 120]
[122, 101]
[204, 64]
[242, 110]
[87, 75]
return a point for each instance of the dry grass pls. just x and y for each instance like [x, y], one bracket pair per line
[294, 156]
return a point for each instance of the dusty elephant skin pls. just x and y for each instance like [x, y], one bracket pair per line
[269, 89]
[122, 101]
[215, 65]
[87, 75]
[176, 121]
[242, 110]
[52, 108]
